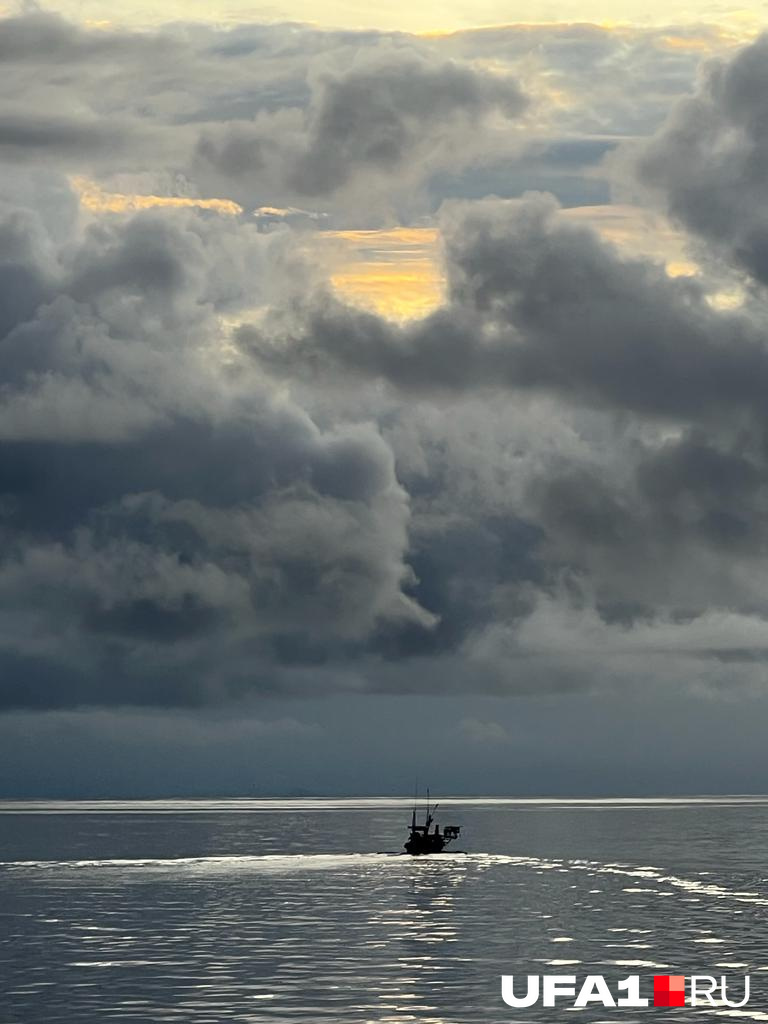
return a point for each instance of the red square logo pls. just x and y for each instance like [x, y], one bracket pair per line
[669, 990]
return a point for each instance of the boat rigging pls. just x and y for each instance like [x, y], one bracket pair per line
[422, 841]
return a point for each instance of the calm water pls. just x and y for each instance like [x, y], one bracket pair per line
[211, 911]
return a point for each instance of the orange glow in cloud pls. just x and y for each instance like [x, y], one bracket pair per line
[399, 274]
[397, 292]
[686, 43]
[396, 272]
[638, 232]
[95, 199]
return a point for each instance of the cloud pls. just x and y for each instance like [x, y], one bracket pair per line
[37, 35]
[392, 116]
[96, 199]
[159, 504]
[363, 122]
[648, 509]
[709, 160]
[219, 482]
[178, 525]
[394, 108]
[537, 302]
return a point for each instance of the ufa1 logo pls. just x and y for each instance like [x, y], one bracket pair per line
[668, 990]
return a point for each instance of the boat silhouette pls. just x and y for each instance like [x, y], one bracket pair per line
[421, 841]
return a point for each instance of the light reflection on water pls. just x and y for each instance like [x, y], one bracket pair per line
[286, 915]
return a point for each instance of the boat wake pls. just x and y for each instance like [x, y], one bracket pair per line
[267, 863]
[639, 878]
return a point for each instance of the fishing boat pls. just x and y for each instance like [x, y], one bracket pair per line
[421, 841]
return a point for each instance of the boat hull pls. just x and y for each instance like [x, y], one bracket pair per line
[419, 845]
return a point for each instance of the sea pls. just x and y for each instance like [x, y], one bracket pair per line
[305, 910]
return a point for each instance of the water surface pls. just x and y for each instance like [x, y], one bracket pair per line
[296, 910]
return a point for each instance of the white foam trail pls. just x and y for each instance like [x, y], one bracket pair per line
[280, 863]
[628, 871]
[274, 863]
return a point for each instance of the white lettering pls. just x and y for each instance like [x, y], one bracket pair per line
[508, 991]
[696, 994]
[558, 985]
[704, 989]
[594, 990]
[631, 986]
[727, 1001]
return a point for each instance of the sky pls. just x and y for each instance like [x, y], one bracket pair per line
[383, 396]
[431, 16]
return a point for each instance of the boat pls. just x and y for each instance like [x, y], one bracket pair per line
[421, 841]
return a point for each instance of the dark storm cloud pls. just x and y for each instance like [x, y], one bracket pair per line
[628, 541]
[161, 513]
[702, 490]
[390, 110]
[387, 110]
[678, 529]
[460, 564]
[541, 304]
[564, 487]
[26, 267]
[710, 159]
